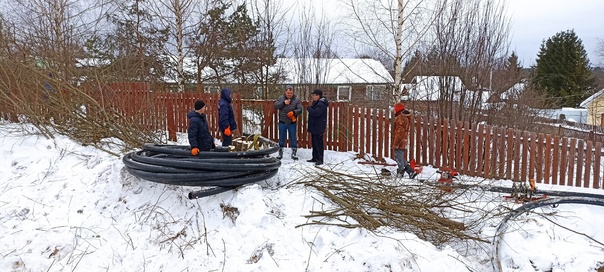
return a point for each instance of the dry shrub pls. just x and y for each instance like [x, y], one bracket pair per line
[57, 104]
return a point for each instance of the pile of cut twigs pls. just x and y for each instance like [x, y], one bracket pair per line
[374, 201]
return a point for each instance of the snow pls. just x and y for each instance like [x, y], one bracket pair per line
[69, 207]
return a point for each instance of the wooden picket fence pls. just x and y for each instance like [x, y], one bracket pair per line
[473, 149]
[496, 152]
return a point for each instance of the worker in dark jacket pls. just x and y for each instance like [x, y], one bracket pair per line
[226, 117]
[289, 107]
[317, 123]
[198, 132]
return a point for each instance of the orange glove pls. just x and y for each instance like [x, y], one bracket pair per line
[227, 131]
[291, 116]
[195, 151]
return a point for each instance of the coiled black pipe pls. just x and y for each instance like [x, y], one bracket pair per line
[502, 228]
[216, 171]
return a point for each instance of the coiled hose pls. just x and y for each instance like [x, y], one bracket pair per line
[218, 170]
[502, 228]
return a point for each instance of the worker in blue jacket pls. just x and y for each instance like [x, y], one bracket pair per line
[226, 117]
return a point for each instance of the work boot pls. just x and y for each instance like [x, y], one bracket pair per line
[280, 153]
[412, 175]
[294, 151]
[399, 173]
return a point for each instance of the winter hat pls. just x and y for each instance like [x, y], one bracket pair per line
[199, 104]
[399, 107]
[318, 92]
[289, 87]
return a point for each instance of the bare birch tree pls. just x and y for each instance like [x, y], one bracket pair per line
[176, 15]
[395, 28]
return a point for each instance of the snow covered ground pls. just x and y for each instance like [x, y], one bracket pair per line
[68, 207]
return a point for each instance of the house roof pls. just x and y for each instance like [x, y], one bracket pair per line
[333, 71]
[428, 88]
[514, 92]
[587, 101]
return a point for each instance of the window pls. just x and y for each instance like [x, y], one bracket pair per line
[375, 92]
[344, 93]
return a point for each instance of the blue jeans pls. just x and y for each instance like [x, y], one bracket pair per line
[403, 165]
[288, 129]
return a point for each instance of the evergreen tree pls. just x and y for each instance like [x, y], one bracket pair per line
[562, 70]
[513, 68]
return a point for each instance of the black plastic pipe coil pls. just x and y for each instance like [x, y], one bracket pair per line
[217, 171]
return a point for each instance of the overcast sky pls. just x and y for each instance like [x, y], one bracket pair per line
[534, 21]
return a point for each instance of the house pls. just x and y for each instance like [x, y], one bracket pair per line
[363, 81]
[595, 108]
[434, 88]
[513, 93]
[566, 114]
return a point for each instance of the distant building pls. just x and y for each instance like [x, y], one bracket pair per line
[433, 88]
[595, 108]
[362, 81]
[574, 115]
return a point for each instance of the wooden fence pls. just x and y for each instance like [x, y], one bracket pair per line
[475, 150]
[495, 152]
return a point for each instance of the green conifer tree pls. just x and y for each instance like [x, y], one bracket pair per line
[562, 70]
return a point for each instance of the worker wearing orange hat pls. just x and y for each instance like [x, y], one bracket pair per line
[400, 139]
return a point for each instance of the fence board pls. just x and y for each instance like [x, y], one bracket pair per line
[445, 143]
[564, 153]
[452, 146]
[509, 153]
[412, 139]
[466, 147]
[374, 124]
[579, 162]
[532, 155]
[356, 129]
[473, 150]
[556, 161]
[588, 164]
[487, 151]
[425, 133]
[540, 154]
[365, 128]
[547, 159]
[493, 149]
[458, 146]
[597, 183]
[524, 164]
[431, 139]
[571, 159]
[480, 150]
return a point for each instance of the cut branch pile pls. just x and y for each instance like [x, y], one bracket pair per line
[376, 201]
